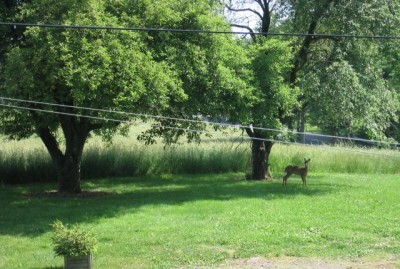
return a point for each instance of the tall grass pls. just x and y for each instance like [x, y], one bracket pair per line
[28, 160]
[337, 159]
[127, 158]
[25, 161]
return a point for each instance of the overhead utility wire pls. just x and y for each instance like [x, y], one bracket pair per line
[123, 121]
[121, 112]
[194, 31]
[198, 121]
[199, 131]
[94, 117]
[169, 118]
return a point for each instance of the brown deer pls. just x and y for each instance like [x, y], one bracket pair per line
[294, 169]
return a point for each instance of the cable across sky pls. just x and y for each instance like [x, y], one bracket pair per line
[198, 131]
[228, 125]
[195, 31]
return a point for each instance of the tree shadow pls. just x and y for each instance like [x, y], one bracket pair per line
[31, 216]
[49, 267]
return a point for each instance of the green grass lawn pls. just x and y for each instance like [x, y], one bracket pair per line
[185, 221]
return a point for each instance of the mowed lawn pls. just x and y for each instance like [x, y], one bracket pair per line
[188, 221]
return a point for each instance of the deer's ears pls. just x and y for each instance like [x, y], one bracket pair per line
[309, 159]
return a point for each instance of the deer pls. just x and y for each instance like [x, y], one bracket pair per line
[294, 169]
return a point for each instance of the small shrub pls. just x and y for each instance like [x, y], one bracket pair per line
[72, 241]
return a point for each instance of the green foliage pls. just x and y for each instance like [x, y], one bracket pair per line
[367, 105]
[344, 101]
[339, 101]
[213, 69]
[72, 241]
[158, 73]
[275, 98]
[100, 69]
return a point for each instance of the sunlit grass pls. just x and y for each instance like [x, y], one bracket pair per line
[184, 221]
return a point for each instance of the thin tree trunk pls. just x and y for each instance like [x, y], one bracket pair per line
[301, 127]
[268, 146]
[302, 58]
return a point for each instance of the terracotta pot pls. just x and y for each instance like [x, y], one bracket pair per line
[78, 262]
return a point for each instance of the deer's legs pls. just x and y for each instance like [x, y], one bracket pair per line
[285, 178]
[304, 179]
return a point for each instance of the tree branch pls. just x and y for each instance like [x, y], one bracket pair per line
[51, 144]
[95, 126]
[251, 32]
[262, 4]
[244, 10]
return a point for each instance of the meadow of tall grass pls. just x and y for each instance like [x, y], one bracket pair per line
[28, 160]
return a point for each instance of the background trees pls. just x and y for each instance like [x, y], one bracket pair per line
[360, 58]
[344, 87]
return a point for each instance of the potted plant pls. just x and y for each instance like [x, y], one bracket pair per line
[74, 244]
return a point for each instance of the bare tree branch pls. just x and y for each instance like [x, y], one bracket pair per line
[244, 10]
[251, 32]
[261, 4]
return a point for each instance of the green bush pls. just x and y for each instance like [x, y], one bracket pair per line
[72, 241]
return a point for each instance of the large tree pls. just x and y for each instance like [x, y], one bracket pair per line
[275, 100]
[319, 61]
[271, 63]
[112, 70]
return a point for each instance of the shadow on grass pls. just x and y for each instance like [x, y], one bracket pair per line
[49, 267]
[31, 216]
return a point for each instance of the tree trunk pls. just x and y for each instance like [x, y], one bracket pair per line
[258, 159]
[268, 146]
[301, 126]
[69, 173]
[67, 164]
[260, 152]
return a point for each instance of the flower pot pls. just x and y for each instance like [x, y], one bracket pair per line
[78, 262]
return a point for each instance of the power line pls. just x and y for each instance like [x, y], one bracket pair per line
[106, 119]
[115, 120]
[119, 112]
[196, 131]
[196, 31]
[236, 126]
